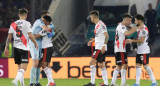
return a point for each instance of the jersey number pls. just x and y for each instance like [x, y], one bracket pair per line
[19, 32]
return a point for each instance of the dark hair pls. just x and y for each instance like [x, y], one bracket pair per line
[44, 12]
[22, 11]
[126, 15]
[47, 18]
[139, 17]
[94, 12]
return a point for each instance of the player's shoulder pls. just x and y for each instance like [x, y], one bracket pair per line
[121, 26]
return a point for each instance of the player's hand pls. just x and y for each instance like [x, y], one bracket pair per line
[103, 50]
[36, 46]
[128, 41]
[89, 43]
[6, 52]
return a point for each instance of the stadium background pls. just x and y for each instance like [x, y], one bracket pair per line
[73, 30]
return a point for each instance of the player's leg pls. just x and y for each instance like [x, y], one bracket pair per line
[47, 54]
[118, 68]
[18, 62]
[104, 73]
[93, 68]
[38, 72]
[138, 69]
[149, 70]
[35, 60]
[124, 68]
[115, 74]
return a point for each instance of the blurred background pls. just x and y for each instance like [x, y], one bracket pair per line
[72, 24]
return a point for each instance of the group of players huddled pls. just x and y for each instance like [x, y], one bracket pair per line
[31, 40]
[36, 41]
[122, 31]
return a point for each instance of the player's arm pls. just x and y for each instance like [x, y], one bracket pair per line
[37, 36]
[47, 27]
[141, 40]
[31, 37]
[8, 41]
[105, 42]
[132, 30]
[90, 42]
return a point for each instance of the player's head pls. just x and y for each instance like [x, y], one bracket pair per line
[23, 12]
[127, 19]
[44, 12]
[139, 19]
[94, 15]
[47, 19]
[150, 6]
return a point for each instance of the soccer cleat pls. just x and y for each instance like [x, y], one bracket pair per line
[51, 84]
[114, 85]
[102, 84]
[38, 84]
[154, 84]
[90, 84]
[31, 84]
[136, 84]
[125, 85]
[14, 82]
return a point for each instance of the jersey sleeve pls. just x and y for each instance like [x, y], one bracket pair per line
[29, 27]
[104, 28]
[10, 30]
[123, 29]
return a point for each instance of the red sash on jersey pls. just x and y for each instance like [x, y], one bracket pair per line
[23, 39]
[138, 33]
[96, 28]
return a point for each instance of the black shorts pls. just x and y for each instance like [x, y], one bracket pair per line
[47, 54]
[142, 58]
[121, 58]
[21, 56]
[99, 56]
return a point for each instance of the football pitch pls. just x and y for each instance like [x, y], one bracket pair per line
[73, 82]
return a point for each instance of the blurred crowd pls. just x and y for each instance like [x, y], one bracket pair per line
[8, 10]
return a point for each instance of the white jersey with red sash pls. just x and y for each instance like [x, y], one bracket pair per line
[20, 29]
[99, 30]
[143, 48]
[120, 39]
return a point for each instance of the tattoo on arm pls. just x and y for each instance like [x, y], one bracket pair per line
[8, 41]
[106, 40]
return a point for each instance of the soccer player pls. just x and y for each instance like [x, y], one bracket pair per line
[47, 50]
[21, 31]
[101, 39]
[36, 54]
[143, 51]
[120, 49]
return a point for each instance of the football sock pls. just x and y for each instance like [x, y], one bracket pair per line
[138, 74]
[115, 74]
[48, 73]
[123, 76]
[93, 72]
[38, 72]
[32, 75]
[151, 75]
[104, 75]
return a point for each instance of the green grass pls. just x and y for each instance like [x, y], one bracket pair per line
[73, 82]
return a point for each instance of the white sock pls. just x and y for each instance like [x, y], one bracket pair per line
[93, 73]
[104, 75]
[123, 76]
[151, 75]
[20, 73]
[138, 74]
[114, 78]
[48, 72]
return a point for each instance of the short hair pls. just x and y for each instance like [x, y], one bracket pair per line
[47, 18]
[44, 12]
[139, 17]
[94, 12]
[126, 15]
[23, 11]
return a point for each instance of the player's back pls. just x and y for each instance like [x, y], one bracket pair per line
[120, 38]
[20, 29]
[37, 28]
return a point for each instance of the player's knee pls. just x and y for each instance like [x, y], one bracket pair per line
[118, 67]
[145, 66]
[124, 66]
[92, 62]
[101, 65]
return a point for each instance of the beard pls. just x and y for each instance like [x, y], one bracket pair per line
[137, 24]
